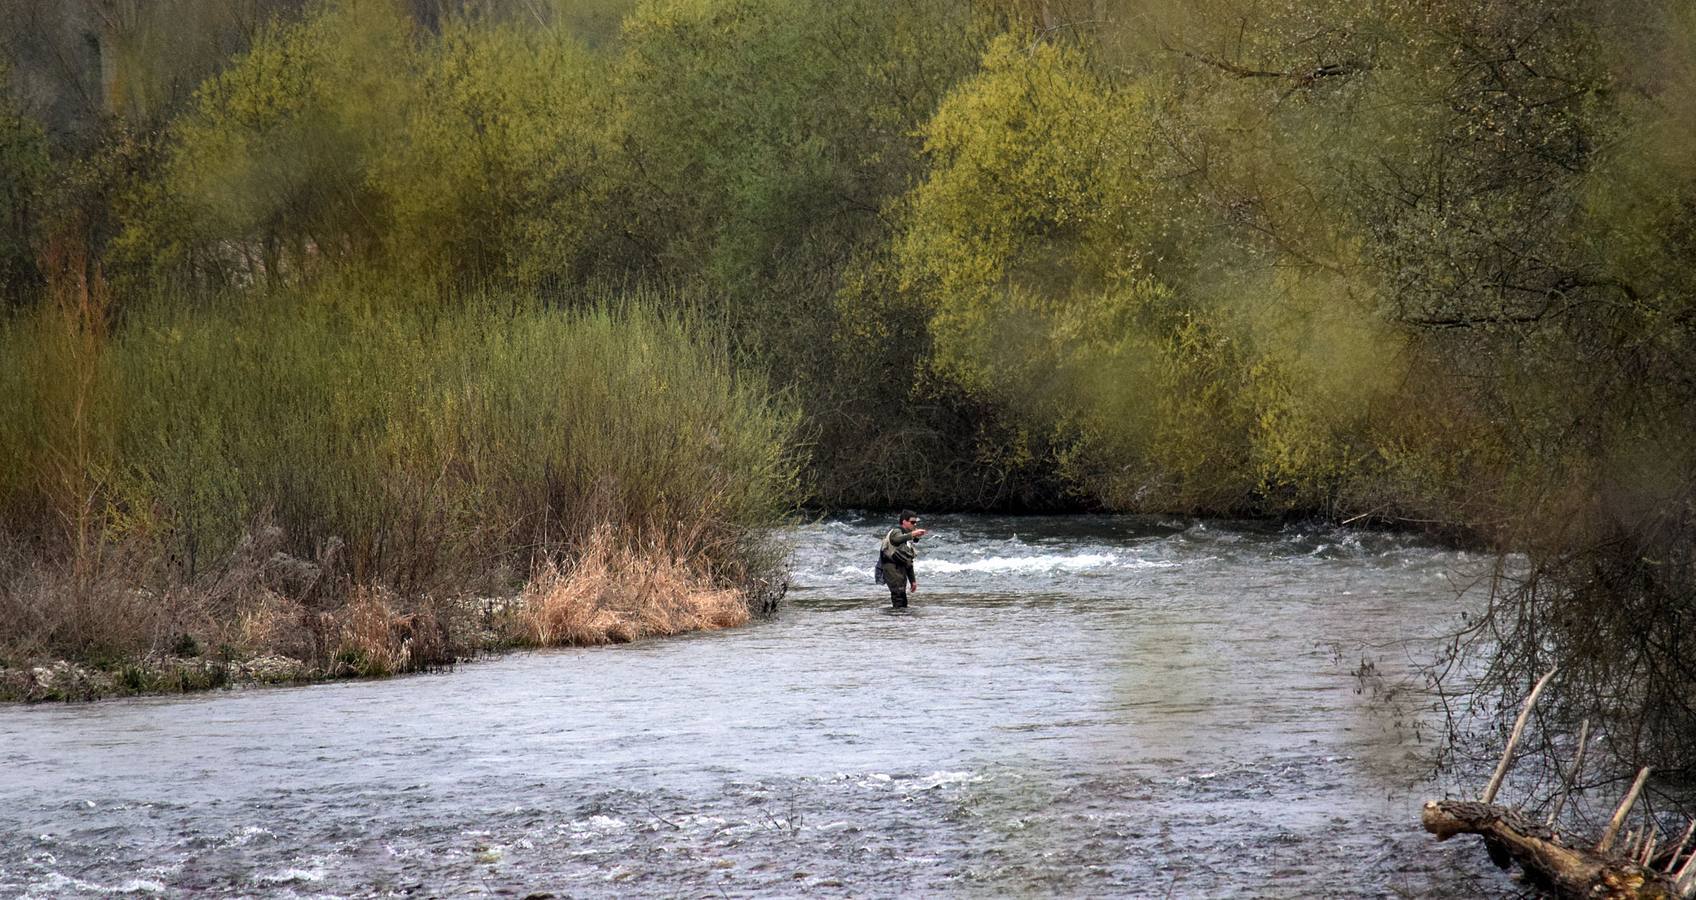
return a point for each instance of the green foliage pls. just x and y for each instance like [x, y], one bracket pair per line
[273, 159]
[764, 137]
[1184, 262]
[765, 142]
[1027, 243]
[1034, 204]
[435, 443]
[1636, 217]
[58, 410]
[501, 173]
[1068, 278]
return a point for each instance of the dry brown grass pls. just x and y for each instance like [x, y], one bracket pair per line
[113, 610]
[86, 607]
[614, 594]
[374, 637]
[366, 634]
[260, 604]
[271, 623]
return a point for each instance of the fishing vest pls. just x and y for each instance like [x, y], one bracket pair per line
[894, 552]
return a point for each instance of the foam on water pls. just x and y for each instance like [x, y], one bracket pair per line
[290, 875]
[1012, 565]
[842, 553]
[992, 565]
[57, 884]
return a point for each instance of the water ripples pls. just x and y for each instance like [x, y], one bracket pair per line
[1074, 706]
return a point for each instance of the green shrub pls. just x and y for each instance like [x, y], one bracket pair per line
[444, 446]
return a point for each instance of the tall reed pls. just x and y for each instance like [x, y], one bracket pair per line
[388, 439]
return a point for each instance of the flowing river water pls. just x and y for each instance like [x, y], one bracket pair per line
[1074, 706]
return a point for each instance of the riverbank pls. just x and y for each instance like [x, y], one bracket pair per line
[336, 476]
[609, 596]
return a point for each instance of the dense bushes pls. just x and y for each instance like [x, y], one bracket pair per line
[441, 447]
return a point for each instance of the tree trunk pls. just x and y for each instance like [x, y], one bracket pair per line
[1547, 862]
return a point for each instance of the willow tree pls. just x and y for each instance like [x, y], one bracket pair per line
[502, 167]
[1131, 257]
[267, 174]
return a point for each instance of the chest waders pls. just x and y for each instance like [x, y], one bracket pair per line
[895, 565]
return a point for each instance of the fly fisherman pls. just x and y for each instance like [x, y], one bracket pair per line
[895, 558]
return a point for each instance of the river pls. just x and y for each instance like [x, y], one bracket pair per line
[1073, 706]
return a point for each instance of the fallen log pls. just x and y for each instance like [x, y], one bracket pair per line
[1547, 862]
[1545, 859]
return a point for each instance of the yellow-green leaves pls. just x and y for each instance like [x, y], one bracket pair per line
[1146, 268]
[1034, 213]
[501, 169]
[275, 157]
[1032, 242]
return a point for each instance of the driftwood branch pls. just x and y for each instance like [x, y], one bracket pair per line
[1548, 860]
[1495, 784]
[1624, 809]
[1685, 880]
[1682, 843]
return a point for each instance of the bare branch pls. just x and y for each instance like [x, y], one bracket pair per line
[1624, 809]
[1572, 774]
[1495, 784]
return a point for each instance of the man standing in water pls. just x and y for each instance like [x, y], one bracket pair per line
[895, 557]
